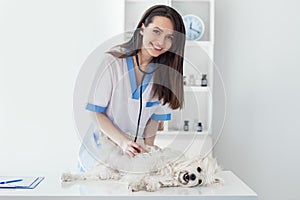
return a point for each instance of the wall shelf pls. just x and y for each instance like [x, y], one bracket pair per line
[184, 133]
[196, 89]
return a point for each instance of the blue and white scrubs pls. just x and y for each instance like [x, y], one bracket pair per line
[115, 93]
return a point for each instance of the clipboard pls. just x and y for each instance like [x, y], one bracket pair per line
[26, 182]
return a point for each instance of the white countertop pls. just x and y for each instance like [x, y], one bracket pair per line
[52, 188]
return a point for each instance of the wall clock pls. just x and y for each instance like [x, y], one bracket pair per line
[194, 27]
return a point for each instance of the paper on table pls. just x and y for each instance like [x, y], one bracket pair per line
[28, 182]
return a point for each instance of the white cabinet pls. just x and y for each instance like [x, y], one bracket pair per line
[198, 60]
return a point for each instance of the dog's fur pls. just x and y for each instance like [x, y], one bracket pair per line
[181, 172]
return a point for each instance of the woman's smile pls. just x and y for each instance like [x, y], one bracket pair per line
[156, 47]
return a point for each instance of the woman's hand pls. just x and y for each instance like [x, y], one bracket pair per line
[157, 148]
[152, 148]
[132, 148]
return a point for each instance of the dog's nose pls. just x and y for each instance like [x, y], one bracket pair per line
[192, 177]
[200, 181]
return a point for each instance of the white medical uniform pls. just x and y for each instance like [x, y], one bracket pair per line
[115, 93]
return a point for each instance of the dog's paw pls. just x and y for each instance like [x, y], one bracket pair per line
[115, 176]
[152, 185]
[66, 177]
[106, 175]
[146, 183]
[134, 186]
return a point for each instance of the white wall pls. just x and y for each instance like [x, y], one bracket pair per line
[42, 47]
[44, 43]
[257, 50]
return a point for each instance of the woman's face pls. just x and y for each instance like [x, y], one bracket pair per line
[157, 36]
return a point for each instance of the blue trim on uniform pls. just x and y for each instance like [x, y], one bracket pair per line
[95, 108]
[150, 104]
[161, 117]
[79, 167]
[96, 139]
[134, 89]
[130, 68]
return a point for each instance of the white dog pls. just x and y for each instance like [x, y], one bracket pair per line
[159, 172]
[189, 173]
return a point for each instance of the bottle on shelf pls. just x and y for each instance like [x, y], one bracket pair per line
[198, 80]
[186, 125]
[195, 124]
[199, 127]
[191, 80]
[184, 80]
[204, 80]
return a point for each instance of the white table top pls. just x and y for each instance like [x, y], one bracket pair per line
[52, 188]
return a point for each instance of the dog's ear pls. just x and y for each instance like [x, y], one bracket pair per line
[219, 180]
[211, 163]
[204, 161]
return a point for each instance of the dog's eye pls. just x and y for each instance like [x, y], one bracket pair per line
[199, 169]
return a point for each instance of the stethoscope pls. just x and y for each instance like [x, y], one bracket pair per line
[141, 91]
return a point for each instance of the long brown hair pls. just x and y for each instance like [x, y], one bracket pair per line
[168, 79]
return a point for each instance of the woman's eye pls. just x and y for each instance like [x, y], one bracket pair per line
[157, 32]
[170, 38]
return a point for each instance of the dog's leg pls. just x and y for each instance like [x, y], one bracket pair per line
[152, 183]
[168, 182]
[98, 173]
[148, 183]
[138, 184]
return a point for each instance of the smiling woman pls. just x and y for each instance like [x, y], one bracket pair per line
[140, 83]
[158, 37]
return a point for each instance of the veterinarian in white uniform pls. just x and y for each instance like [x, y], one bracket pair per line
[114, 99]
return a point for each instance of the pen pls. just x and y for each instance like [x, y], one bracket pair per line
[11, 181]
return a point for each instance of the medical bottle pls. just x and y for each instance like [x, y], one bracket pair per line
[186, 125]
[191, 80]
[198, 81]
[199, 127]
[204, 80]
[184, 80]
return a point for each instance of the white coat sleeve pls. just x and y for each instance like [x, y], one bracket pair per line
[101, 90]
[162, 113]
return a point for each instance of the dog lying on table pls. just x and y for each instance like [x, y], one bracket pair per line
[162, 172]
